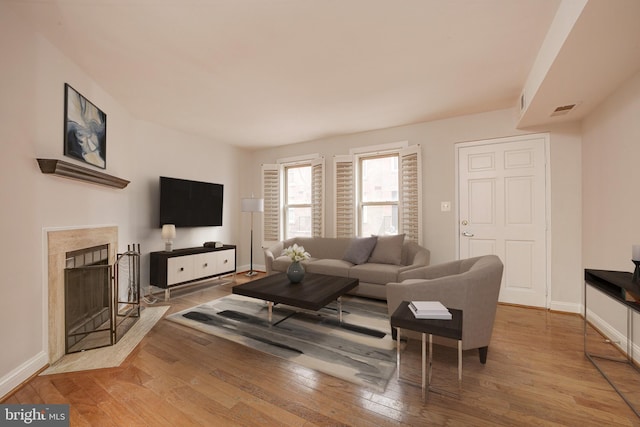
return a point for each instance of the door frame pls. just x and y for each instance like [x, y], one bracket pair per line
[547, 175]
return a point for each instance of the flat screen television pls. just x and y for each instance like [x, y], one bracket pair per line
[188, 203]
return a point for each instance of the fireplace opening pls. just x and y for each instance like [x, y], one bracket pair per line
[102, 301]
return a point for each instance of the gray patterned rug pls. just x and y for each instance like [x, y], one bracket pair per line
[360, 350]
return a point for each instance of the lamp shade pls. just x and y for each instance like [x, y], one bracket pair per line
[168, 231]
[252, 205]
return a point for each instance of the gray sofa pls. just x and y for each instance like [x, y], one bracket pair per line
[373, 261]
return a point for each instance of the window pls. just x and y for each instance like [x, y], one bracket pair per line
[377, 191]
[293, 195]
[297, 201]
[378, 195]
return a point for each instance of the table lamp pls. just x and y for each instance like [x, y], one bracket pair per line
[168, 234]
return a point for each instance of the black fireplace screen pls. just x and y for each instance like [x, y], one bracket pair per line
[102, 301]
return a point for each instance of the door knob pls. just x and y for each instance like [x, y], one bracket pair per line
[465, 222]
[467, 234]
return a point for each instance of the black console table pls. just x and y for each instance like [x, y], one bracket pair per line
[180, 267]
[615, 285]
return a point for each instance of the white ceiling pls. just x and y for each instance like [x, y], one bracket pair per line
[256, 73]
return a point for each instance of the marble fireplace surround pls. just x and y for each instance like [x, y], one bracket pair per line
[59, 242]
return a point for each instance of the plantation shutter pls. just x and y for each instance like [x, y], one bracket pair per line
[271, 195]
[317, 197]
[411, 193]
[344, 186]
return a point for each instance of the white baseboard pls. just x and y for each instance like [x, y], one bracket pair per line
[617, 338]
[22, 373]
[565, 307]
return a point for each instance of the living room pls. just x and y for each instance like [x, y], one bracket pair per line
[592, 174]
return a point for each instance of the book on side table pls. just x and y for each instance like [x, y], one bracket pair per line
[429, 310]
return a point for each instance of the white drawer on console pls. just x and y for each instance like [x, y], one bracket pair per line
[180, 269]
[204, 264]
[226, 261]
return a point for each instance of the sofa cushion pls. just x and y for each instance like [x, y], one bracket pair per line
[375, 273]
[328, 266]
[388, 250]
[359, 249]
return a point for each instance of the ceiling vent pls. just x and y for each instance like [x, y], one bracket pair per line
[563, 110]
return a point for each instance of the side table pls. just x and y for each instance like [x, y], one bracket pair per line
[403, 318]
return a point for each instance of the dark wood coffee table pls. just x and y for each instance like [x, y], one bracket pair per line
[314, 292]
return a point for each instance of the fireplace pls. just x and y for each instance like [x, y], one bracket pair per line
[114, 306]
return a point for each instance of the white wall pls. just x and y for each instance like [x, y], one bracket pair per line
[438, 140]
[20, 255]
[162, 151]
[611, 153]
[611, 149]
[566, 218]
[32, 80]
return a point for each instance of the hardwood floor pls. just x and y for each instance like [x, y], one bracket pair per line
[536, 374]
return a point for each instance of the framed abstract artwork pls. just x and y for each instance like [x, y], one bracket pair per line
[85, 129]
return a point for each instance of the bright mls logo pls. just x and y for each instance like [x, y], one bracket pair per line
[34, 415]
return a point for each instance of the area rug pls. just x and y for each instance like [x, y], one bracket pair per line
[112, 356]
[360, 350]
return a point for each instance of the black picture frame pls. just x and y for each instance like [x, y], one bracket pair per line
[85, 129]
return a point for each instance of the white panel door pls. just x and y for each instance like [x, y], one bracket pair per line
[502, 211]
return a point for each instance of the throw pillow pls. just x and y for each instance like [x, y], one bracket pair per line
[388, 250]
[359, 249]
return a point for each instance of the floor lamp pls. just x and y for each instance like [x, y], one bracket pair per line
[252, 205]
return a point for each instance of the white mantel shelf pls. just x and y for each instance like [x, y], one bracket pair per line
[80, 173]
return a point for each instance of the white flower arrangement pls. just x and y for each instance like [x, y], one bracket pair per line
[296, 253]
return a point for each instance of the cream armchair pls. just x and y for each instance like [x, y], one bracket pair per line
[471, 285]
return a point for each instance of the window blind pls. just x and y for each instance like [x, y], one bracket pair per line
[344, 196]
[410, 193]
[317, 197]
[271, 196]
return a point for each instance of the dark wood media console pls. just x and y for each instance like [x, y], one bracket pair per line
[169, 270]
